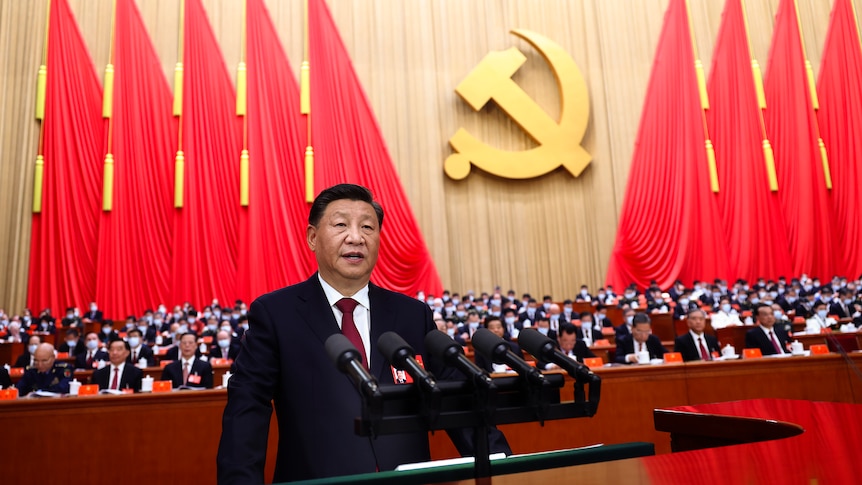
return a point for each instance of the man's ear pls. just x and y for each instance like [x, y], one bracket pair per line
[311, 237]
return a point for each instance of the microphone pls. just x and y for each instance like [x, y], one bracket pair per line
[498, 351]
[401, 355]
[347, 359]
[542, 348]
[442, 347]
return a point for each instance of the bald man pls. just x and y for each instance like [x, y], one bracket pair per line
[45, 374]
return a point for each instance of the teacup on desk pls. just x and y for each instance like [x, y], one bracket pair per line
[728, 351]
[643, 357]
[796, 348]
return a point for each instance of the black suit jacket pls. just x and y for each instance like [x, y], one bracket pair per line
[174, 372]
[81, 359]
[23, 360]
[79, 347]
[130, 378]
[756, 339]
[232, 351]
[685, 345]
[626, 345]
[283, 358]
[146, 352]
[487, 364]
[581, 352]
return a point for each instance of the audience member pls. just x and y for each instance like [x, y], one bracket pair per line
[226, 347]
[72, 344]
[588, 331]
[108, 333]
[45, 374]
[626, 327]
[819, 319]
[569, 344]
[640, 340]
[138, 349]
[93, 354]
[94, 315]
[28, 358]
[726, 316]
[543, 325]
[189, 370]
[493, 323]
[120, 374]
[14, 333]
[767, 337]
[695, 344]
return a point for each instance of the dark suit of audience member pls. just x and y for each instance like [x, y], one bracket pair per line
[690, 350]
[756, 338]
[230, 352]
[579, 353]
[130, 378]
[173, 353]
[85, 361]
[5, 380]
[143, 351]
[95, 316]
[75, 351]
[840, 309]
[24, 360]
[200, 374]
[486, 364]
[622, 331]
[626, 346]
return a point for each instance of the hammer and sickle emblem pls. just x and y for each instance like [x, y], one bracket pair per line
[559, 142]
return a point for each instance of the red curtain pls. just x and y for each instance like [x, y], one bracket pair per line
[792, 127]
[64, 235]
[668, 227]
[273, 224]
[206, 230]
[840, 90]
[349, 147]
[134, 260]
[750, 211]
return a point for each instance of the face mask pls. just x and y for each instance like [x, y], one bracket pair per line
[217, 313]
[207, 314]
[742, 297]
[134, 342]
[227, 329]
[244, 326]
[26, 319]
[474, 325]
[629, 319]
[716, 295]
[32, 348]
[461, 314]
[456, 301]
[683, 301]
[235, 316]
[243, 312]
[183, 329]
[225, 343]
[70, 316]
[601, 296]
[162, 309]
[745, 287]
[212, 328]
[130, 326]
[158, 322]
[495, 313]
[630, 295]
[821, 314]
[510, 320]
[496, 302]
[106, 330]
[142, 328]
[92, 344]
[554, 318]
[773, 294]
[567, 309]
[71, 343]
[755, 300]
[450, 332]
[546, 306]
[93, 308]
[177, 316]
[827, 299]
[159, 340]
[438, 308]
[778, 315]
[149, 318]
[725, 308]
[762, 294]
[848, 301]
[430, 301]
[791, 299]
[543, 330]
[77, 313]
[584, 292]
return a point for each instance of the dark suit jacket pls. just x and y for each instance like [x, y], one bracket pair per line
[232, 351]
[5, 380]
[23, 360]
[146, 352]
[756, 339]
[173, 353]
[626, 345]
[283, 358]
[486, 364]
[174, 372]
[130, 378]
[81, 359]
[79, 347]
[685, 345]
[581, 352]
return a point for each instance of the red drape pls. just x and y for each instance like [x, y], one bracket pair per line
[840, 91]
[206, 231]
[273, 224]
[349, 147]
[792, 127]
[64, 235]
[669, 226]
[134, 260]
[750, 211]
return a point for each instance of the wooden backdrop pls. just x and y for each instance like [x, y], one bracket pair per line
[547, 235]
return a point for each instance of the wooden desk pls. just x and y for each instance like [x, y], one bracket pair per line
[156, 429]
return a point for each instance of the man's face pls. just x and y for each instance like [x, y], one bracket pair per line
[641, 332]
[496, 327]
[92, 336]
[345, 243]
[567, 341]
[187, 346]
[34, 340]
[44, 358]
[117, 352]
[765, 317]
[696, 322]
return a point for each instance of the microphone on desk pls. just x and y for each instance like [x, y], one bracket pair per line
[442, 347]
[498, 351]
[402, 356]
[348, 360]
[543, 348]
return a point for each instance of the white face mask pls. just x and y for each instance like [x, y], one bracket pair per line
[134, 342]
[450, 331]
[543, 330]
[92, 344]
[244, 326]
[32, 349]
[225, 343]
[725, 308]
[821, 314]
[510, 320]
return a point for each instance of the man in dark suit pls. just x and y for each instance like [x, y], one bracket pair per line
[119, 374]
[569, 344]
[224, 347]
[494, 324]
[91, 356]
[72, 344]
[28, 358]
[283, 357]
[641, 339]
[767, 337]
[139, 349]
[694, 344]
[626, 327]
[94, 315]
[189, 370]
[45, 374]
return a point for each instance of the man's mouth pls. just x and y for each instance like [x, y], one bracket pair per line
[354, 256]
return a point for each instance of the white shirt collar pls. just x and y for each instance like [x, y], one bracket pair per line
[695, 336]
[332, 295]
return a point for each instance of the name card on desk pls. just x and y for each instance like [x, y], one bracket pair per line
[751, 354]
[16, 372]
[88, 390]
[672, 357]
[163, 363]
[594, 362]
[9, 394]
[602, 343]
[62, 355]
[819, 349]
[162, 386]
[221, 362]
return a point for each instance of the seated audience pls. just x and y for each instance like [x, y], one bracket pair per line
[93, 354]
[189, 370]
[120, 374]
[588, 331]
[819, 319]
[72, 344]
[28, 358]
[695, 344]
[626, 327]
[640, 340]
[493, 323]
[726, 316]
[568, 343]
[768, 337]
[138, 349]
[226, 347]
[45, 374]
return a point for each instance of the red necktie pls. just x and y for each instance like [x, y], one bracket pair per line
[134, 357]
[185, 373]
[703, 353]
[348, 327]
[775, 343]
[90, 359]
[116, 382]
[642, 347]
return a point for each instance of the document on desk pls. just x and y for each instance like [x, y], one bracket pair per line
[438, 463]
